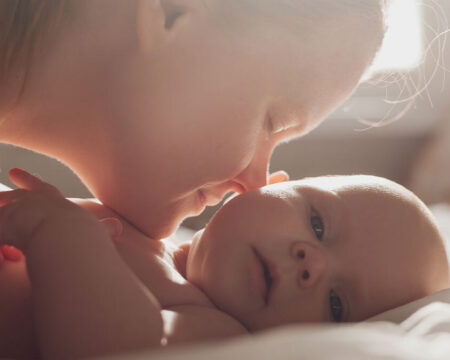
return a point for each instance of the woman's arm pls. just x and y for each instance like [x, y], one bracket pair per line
[86, 300]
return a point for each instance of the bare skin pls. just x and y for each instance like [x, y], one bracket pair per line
[179, 93]
[188, 315]
[100, 98]
[198, 306]
[362, 243]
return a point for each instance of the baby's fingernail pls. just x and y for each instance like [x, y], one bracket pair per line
[11, 253]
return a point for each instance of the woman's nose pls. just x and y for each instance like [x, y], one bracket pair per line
[255, 175]
[311, 262]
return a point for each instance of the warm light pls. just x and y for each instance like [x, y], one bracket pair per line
[402, 47]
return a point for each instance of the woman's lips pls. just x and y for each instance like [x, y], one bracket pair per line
[213, 195]
[208, 198]
[201, 198]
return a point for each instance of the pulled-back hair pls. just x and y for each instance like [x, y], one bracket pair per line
[25, 26]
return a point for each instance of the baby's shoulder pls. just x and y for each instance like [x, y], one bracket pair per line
[192, 323]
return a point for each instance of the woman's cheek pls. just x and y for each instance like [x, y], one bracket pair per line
[240, 154]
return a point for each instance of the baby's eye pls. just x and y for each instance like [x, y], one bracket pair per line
[335, 306]
[317, 225]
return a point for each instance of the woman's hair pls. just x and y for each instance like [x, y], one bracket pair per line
[25, 26]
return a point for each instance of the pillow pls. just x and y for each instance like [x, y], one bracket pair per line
[401, 313]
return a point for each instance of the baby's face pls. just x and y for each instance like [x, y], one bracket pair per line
[315, 250]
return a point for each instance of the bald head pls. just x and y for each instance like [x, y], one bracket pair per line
[399, 236]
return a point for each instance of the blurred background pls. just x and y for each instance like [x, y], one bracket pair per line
[396, 125]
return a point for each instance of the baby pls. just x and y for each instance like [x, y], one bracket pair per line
[326, 249]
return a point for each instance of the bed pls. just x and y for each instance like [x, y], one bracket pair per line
[418, 330]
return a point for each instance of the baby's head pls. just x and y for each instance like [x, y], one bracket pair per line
[339, 248]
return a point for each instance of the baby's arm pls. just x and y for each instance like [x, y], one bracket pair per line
[86, 300]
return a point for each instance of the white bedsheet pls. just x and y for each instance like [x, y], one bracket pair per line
[423, 336]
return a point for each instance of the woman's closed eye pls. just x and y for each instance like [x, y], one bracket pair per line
[277, 127]
[317, 225]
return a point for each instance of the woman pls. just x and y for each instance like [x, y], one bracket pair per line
[163, 106]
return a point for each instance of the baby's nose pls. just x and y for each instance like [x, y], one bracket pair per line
[311, 262]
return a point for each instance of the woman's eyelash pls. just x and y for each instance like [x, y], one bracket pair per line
[270, 125]
[273, 128]
[317, 225]
[335, 306]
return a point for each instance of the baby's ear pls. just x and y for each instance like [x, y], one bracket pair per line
[113, 226]
[158, 20]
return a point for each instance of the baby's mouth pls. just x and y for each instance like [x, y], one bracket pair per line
[267, 276]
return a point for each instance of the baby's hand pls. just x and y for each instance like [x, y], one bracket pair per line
[9, 253]
[23, 210]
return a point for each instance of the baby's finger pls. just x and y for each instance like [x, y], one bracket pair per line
[7, 196]
[25, 180]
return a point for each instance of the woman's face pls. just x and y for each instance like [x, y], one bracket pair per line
[200, 115]
[316, 250]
